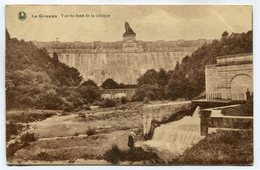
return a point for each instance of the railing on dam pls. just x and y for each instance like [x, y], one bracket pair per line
[234, 96]
[161, 112]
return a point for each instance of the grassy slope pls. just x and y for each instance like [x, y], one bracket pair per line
[112, 127]
[223, 147]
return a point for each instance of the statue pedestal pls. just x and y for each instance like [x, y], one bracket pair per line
[129, 38]
[129, 44]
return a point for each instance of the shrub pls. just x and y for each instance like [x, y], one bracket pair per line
[151, 95]
[146, 100]
[51, 101]
[76, 134]
[113, 155]
[108, 103]
[43, 156]
[89, 83]
[86, 107]
[68, 107]
[29, 116]
[91, 131]
[139, 95]
[27, 138]
[82, 115]
[71, 160]
[89, 93]
[65, 113]
[146, 90]
[109, 84]
[123, 100]
[75, 100]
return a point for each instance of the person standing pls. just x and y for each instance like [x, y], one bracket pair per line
[131, 142]
[247, 94]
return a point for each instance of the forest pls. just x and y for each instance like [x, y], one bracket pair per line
[35, 80]
[187, 80]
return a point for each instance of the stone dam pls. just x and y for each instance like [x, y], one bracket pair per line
[124, 61]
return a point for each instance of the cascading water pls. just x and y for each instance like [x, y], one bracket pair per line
[178, 135]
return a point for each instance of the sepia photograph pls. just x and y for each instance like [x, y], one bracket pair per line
[129, 85]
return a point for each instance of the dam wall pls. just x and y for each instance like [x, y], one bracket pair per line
[124, 61]
[122, 67]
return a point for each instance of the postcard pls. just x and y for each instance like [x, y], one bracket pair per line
[129, 85]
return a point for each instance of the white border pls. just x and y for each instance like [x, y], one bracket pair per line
[256, 52]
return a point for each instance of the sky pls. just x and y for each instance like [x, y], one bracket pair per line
[149, 22]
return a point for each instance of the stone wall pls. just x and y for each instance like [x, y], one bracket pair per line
[161, 112]
[215, 118]
[219, 77]
[211, 79]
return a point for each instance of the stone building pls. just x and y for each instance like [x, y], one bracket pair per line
[230, 78]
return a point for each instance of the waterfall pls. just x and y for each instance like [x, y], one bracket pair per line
[196, 113]
[178, 135]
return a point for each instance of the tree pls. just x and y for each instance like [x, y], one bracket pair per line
[162, 78]
[7, 35]
[89, 83]
[225, 35]
[149, 77]
[121, 85]
[109, 84]
[188, 78]
[90, 93]
[174, 88]
[55, 57]
[35, 80]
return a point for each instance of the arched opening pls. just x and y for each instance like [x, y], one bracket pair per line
[239, 86]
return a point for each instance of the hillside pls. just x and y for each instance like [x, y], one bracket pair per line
[187, 80]
[35, 80]
[191, 71]
[21, 55]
